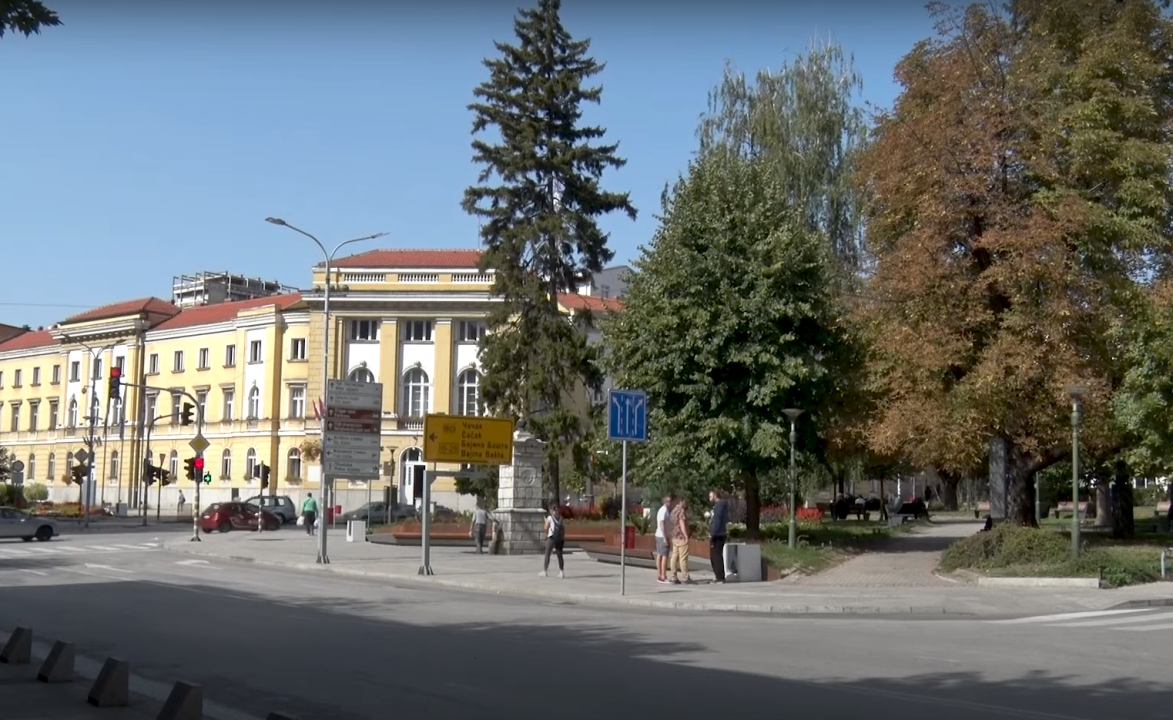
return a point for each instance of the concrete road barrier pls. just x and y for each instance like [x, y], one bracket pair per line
[112, 686]
[186, 702]
[58, 665]
[19, 648]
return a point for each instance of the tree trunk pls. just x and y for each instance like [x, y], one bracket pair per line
[1020, 496]
[753, 508]
[1103, 502]
[553, 466]
[1123, 521]
[947, 490]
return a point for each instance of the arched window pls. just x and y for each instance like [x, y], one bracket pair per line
[114, 460]
[254, 403]
[293, 467]
[31, 468]
[468, 392]
[71, 417]
[174, 464]
[226, 464]
[250, 463]
[68, 464]
[416, 393]
[52, 474]
[116, 412]
[362, 374]
[95, 410]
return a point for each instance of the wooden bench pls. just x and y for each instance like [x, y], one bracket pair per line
[899, 516]
[1065, 507]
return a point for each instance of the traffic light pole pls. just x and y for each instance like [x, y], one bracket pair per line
[146, 465]
[91, 441]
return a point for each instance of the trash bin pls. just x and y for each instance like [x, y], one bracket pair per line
[743, 562]
[356, 531]
[629, 538]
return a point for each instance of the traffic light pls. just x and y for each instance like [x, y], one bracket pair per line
[198, 463]
[149, 473]
[164, 476]
[79, 473]
[190, 469]
[185, 417]
[115, 386]
[262, 471]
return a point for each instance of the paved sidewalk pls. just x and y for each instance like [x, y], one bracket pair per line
[23, 698]
[906, 560]
[592, 583]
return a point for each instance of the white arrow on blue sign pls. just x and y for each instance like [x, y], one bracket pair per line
[628, 415]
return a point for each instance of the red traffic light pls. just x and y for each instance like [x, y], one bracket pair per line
[199, 463]
[115, 372]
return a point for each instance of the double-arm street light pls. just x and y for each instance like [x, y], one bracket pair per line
[329, 256]
[793, 414]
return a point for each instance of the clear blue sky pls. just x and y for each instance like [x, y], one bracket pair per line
[144, 140]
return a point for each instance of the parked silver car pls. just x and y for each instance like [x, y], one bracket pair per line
[378, 512]
[19, 524]
[280, 505]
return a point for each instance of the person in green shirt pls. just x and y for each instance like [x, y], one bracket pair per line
[309, 511]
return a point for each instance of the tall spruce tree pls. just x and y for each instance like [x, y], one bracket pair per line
[25, 17]
[539, 197]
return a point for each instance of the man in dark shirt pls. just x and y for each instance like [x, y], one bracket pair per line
[718, 533]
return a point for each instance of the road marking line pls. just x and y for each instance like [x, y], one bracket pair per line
[131, 547]
[45, 550]
[1066, 616]
[108, 567]
[1148, 628]
[14, 553]
[1117, 621]
[35, 572]
[101, 547]
[71, 548]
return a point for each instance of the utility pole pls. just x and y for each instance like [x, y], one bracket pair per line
[326, 485]
[793, 414]
[1076, 394]
[91, 439]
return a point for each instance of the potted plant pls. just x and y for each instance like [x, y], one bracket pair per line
[311, 450]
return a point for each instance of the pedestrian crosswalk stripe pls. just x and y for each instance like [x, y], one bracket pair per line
[44, 550]
[1130, 620]
[101, 547]
[1150, 628]
[131, 547]
[1066, 616]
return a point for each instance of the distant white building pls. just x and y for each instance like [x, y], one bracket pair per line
[607, 283]
[213, 288]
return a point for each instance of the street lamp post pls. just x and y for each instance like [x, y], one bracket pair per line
[93, 418]
[793, 414]
[325, 489]
[1076, 394]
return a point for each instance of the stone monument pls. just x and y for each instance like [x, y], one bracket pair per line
[519, 514]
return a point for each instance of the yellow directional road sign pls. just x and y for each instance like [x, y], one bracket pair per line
[467, 439]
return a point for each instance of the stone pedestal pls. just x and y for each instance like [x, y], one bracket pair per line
[519, 498]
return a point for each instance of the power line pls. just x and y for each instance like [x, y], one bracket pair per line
[46, 305]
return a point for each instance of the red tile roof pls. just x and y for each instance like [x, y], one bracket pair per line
[387, 258]
[574, 301]
[28, 340]
[149, 305]
[223, 312]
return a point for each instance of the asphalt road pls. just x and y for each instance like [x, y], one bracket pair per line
[334, 648]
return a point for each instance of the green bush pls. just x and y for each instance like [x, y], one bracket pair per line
[5, 494]
[36, 492]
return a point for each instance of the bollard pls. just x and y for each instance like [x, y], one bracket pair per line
[112, 687]
[19, 648]
[186, 702]
[58, 665]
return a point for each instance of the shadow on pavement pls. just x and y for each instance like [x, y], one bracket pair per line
[325, 660]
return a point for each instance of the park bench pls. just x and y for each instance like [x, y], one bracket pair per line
[1066, 507]
[915, 510]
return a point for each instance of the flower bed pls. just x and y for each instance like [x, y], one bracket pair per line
[65, 510]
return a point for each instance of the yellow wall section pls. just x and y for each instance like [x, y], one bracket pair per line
[442, 385]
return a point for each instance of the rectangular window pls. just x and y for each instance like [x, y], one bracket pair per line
[36, 376]
[176, 403]
[229, 400]
[417, 331]
[204, 362]
[34, 416]
[297, 402]
[14, 426]
[153, 364]
[16, 380]
[202, 401]
[152, 406]
[52, 414]
[297, 349]
[255, 352]
[470, 331]
[98, 368]
[230, 356]
[364, 330]
[56, 375]
[177, 361]
[120, 362]
[1, 378]
[75, 371]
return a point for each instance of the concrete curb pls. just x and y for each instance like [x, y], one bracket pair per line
[597, 600]
[1039, 582]
[1137, 604]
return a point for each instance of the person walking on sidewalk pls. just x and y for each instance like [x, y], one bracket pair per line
[663, 533]
[480, 521]
[182, 502]
[555, 539]
[718, 532]
[678, 563]
[309, 512]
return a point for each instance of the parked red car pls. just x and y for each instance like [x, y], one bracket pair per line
[236, 516]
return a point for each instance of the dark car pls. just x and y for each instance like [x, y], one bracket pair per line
[379, 512]
[279, 505]
[236, 516]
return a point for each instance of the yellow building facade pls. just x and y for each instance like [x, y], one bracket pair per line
[409, 319]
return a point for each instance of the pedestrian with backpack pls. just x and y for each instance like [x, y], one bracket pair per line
[555, 540]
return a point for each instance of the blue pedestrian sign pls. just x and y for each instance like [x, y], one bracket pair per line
[628, 415]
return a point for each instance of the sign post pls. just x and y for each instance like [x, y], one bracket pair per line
[199, 443]
[627, 421]
[352, 428]
[463, 439]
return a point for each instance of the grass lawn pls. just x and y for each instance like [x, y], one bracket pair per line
[821, 545]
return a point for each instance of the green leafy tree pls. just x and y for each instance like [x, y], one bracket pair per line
[5, 465]
[25, 17]
[539, 198]
[745, 291]
[483, 488]
[36, 492]
[1020, 196]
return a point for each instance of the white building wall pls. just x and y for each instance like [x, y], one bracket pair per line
[254, 373]
[359, 352]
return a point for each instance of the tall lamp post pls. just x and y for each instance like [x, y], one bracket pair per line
[91, 441]
[1075, 392]
[793, 414]
[325, 485]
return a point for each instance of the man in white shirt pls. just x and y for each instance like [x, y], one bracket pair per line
[480, 522]
[663, 548]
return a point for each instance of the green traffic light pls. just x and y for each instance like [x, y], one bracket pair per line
[208, 478]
